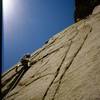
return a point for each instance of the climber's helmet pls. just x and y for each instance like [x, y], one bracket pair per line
[25, 58]
[27, 55]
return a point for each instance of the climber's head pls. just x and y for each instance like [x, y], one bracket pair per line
[27, 55]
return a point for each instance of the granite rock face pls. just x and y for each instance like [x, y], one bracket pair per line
[67, 67]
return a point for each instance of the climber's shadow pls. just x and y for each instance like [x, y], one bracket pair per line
[15, 81]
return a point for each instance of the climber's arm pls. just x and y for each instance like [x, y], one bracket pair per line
[18, 67]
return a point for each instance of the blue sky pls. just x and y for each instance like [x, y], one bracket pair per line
[29, 23]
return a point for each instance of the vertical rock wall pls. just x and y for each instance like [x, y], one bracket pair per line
[66, 68]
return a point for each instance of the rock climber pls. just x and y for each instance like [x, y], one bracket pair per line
[25, 61]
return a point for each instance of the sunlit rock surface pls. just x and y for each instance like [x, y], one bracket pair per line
[66, 68]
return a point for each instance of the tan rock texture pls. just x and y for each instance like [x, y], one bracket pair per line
[67, 67]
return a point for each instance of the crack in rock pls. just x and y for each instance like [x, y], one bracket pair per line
[57, 72]
[38, 78]
[36, 60]
[67, 67]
